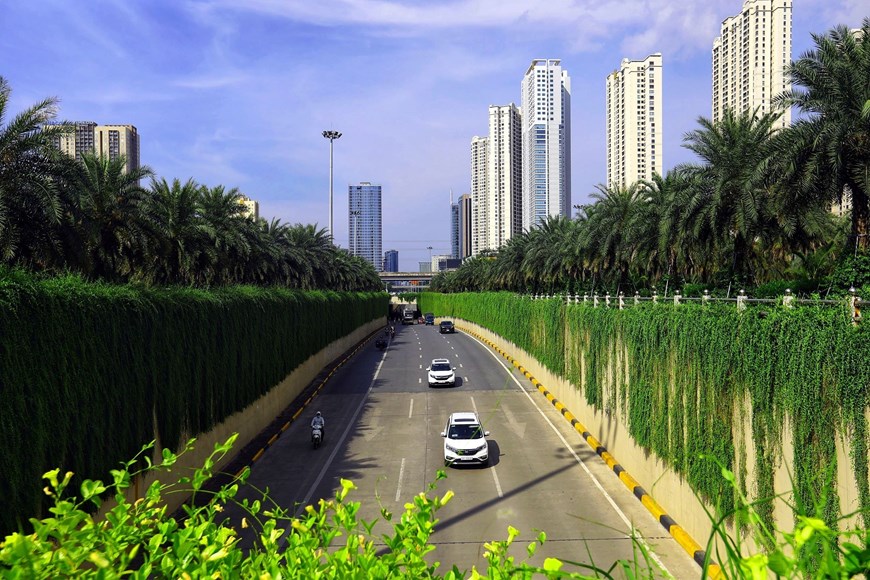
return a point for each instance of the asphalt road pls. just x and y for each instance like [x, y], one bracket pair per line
[383, 426]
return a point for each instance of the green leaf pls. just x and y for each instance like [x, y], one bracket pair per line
[552, 564]
[92, 488]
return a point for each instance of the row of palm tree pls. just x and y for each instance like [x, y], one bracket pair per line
[91, 216]
[755, 207]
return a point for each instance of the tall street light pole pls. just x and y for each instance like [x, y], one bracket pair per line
[332, 136]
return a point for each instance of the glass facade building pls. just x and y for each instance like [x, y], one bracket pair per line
[391, 261]
[364, 223]
[546, 142]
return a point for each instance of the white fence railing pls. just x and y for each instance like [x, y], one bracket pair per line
[788, 300]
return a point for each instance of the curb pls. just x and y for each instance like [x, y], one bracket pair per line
[308, 399]
[676, 531]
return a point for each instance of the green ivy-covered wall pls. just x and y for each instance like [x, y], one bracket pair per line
[88, 371]
[678, 376]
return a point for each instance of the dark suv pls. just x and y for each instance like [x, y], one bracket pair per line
[430, 319]
[447, 326]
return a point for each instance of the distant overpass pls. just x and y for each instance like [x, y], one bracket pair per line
[406, 281]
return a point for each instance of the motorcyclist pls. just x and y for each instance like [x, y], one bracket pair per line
[318, 422]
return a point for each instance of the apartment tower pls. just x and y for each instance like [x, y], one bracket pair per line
[110, 141]
[750, 57]
[546, 142]
[505, 175]
[364, 223]
[250, 208]
[479, 198]
[634, 121]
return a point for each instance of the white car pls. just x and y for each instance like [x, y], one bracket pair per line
[441, 373]
[465, 440]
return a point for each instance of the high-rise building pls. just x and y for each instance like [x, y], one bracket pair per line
[750, 57]
[454, 228]
[79, 140]
[111, 141]
[464, 210]
[634, 121]
[391, 261]
[504, 176]
[479, 200]
[438, 263]
[364, 223]
[546, 134]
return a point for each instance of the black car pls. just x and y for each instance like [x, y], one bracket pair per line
[447, 326]
[430, 319]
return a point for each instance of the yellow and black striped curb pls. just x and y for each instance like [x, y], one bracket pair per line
[308, 399]
[674, 529]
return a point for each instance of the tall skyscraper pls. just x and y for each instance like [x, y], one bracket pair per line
[108, 140]
[504, 176]
[364, 223]
[634, 121]
[454, 228]
[464, 207]
[391, 261]
[479, 200]
[546, 134]
[749, 59]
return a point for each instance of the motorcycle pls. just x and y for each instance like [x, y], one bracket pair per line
[316, 437]
[381, 344]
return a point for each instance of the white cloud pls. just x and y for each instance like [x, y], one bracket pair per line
[216, 80]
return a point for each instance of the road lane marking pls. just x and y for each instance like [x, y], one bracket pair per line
[494, 475]
[401, 475]
[419, 381]
[570, 449]
[497, 484]
[460, 365]
[513, 424]
[411, 412]
[340, 441]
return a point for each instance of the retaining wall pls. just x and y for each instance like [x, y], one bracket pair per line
[668, 488]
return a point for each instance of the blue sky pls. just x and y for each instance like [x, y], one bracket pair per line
[237, 92]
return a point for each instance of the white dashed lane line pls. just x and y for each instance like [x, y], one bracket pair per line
[401, 475]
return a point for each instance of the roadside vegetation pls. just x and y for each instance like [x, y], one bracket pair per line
[140, 539]
[61, 215]
[754, 212]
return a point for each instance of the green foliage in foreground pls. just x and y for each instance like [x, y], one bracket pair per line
[89, 372]
[328, 540]
[680, 378]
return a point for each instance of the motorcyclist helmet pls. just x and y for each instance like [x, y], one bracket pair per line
[317, 413]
